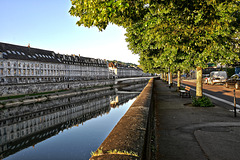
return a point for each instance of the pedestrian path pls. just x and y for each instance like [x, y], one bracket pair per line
[184, 132]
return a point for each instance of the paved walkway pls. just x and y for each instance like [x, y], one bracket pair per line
[184, 132]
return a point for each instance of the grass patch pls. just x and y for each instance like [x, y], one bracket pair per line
[30, 95]
[97, 153]
[12, 97]
[115, 151]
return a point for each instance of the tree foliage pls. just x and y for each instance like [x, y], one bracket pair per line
[100, 13]
[122, 63]
[179, 33]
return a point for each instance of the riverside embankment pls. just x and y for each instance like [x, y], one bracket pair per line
[181, 130]
[86, 88]
[130, 138]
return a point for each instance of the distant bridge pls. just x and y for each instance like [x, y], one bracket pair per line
[132, 78]
[127, 92]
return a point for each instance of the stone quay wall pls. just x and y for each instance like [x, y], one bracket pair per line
[131, 136]
[17, 89]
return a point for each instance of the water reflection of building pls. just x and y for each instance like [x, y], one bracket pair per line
[119, 99]
[19, 127]
[24, 126]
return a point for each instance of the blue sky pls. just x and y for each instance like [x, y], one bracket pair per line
[46, 24]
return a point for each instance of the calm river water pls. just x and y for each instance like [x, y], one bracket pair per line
[64, 129]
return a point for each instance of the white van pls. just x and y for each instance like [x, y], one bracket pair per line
[217, 77]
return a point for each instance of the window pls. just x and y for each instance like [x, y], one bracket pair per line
[9, 71]
[9, 51]
[13, 52]
[23, 53]
[8, 63]
[19, 64]
[1, 72]
[19, 72]
[18, 53]
[4, 53]
[15, 72]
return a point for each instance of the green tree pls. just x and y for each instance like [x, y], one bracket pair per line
[177, 33]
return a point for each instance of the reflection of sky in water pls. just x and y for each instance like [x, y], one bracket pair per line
[76, 142]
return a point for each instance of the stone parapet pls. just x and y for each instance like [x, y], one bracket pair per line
[129, 137]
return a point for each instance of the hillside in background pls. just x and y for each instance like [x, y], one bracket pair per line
[123, 63]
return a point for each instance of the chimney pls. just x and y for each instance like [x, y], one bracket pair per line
[28, 45]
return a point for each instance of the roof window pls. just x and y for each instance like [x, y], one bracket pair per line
[4, 53]
[9, 51]
[40, 55]
[13, 52]
[18, 53]
[34, 57]
[23, 53]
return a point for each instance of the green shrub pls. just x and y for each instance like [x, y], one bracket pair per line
[202, 102]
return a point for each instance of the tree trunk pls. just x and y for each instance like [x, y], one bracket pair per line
[167, 77]
[170, 78]
[178, 79]
[199, 83]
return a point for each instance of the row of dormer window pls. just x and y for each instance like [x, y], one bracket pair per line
[34, 56]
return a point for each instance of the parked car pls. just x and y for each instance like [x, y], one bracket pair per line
[234, 80]
[217, 77]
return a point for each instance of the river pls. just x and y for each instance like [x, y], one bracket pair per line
[67, 128]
